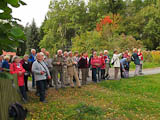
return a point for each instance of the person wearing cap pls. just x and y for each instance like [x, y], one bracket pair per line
[5, 63]
[116, 63]
[72, 72]
[58, 65]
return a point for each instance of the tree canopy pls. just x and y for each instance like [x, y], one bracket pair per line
[72, 24]
[11, 34]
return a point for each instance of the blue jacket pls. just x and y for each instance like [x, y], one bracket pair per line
[32, 58]
[124, 63]
[5, 64]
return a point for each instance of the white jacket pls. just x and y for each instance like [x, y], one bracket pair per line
[116, 60]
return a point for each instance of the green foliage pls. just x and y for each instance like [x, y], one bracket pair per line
[144, 25]
[33, 37]
[106, 39]
[87, 41]
[10, 32]
[65, 18]
[10, 36]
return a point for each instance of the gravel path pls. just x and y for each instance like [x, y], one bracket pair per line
[150, 71]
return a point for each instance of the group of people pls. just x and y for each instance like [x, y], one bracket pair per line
[64, 68]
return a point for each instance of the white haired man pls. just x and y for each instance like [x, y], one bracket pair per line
[32, 58]
[41, 74]
[58, 65]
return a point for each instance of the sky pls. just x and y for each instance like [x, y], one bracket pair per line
[36, 9]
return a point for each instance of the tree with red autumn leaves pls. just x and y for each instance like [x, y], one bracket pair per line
[103, 22]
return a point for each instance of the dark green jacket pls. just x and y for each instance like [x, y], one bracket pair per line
[60, 59]
[135, 58]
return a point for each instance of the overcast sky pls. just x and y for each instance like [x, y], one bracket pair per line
[36, 9]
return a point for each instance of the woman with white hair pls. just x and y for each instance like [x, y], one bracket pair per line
[16, 68]
[5, 63]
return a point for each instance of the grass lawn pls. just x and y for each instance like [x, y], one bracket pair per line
[145, 65]
[135, 98]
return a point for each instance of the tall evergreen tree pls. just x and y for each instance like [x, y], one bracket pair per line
[33, 37]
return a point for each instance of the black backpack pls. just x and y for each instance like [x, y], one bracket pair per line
[17, 111]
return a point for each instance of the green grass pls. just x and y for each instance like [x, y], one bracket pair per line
[135, 98]
[146, 65]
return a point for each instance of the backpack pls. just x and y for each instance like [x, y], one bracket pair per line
[17, 111]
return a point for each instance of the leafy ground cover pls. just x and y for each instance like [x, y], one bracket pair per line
[127, 99]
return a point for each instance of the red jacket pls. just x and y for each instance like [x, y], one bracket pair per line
[140, 55]
[95, 61]
[103, 65]
[15, 69]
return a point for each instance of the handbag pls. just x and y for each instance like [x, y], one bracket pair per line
[114, 61]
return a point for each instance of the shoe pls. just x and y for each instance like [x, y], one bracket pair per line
[63, 87]
[56, 89]
[79, 86]
[37, 94]
[141, 73]
[108, 77]
[44, 101]
[50, 85]
[27, 90]
[34, 87]
[24, 100]
[72, 86]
